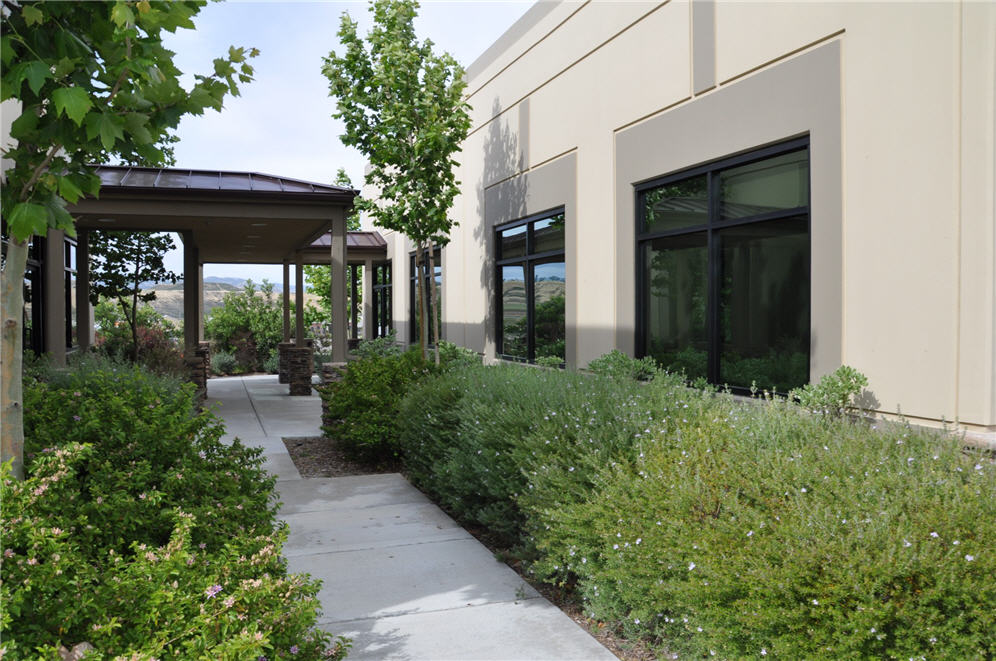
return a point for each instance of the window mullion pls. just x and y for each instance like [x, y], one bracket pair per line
[714, 271]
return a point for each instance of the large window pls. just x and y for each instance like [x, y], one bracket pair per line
[533, 288]
[416, 311]
[723, 256]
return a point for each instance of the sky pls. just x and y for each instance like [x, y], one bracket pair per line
[282, 123]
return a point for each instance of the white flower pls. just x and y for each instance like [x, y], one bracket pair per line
[615, 546]
[934, 534]
[969, 558]
[803, 490]
[750, 533]
[639, 539]
[978, 467]
[872, 630]
[816, 603]
[764, 652]
[956, 542]
[691, 566]
[636, 620]
[906, 544]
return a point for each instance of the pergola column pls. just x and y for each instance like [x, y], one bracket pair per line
[300, 359]
[200, 300]
[195, 357]
[283, 349]
[368, 329]
[84, 327]
[54, 286]
[354, 311]
[338, 278]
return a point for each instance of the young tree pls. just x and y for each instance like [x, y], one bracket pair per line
[120, 262]
[94, 82]
[403, 107]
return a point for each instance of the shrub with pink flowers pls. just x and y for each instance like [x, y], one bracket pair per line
[136, 530]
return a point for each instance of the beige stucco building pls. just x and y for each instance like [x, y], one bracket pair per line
[747, 190]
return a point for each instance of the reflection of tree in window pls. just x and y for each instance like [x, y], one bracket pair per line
[533, 288]
[725, 270]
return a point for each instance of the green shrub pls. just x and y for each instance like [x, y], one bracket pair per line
[363, 406]
[620, 366]
[248, 324]
[753, 528]
[272, 364]
[708, 525]
[453, 355]
[223, 363]
[138, 531]
[833, 394]
[156, 452]
[553, 362]
[158, 339]
[379, 346]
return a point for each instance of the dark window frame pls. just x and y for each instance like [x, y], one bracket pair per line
[383, 323]
[528, 261]
[714, 226]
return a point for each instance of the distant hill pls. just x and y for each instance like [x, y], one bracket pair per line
[169, 297]
[232, 283]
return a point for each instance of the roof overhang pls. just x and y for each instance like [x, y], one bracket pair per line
[360, 248]
[232, 217]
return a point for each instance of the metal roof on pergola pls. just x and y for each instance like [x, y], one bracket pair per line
[232, 217]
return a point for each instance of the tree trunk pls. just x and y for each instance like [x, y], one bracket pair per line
[434, 298]
[419, 291]
[12, 416]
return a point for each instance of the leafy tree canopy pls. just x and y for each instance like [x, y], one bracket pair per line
[403, 108]
[94, 83]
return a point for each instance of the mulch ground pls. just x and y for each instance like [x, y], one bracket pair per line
[316, 456]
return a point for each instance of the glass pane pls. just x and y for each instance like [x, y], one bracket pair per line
[676, 205]
[513, 242]
[513, 312]
[764, 305]
[775, 183]
[676, 295]
[549, 289]
[548, 234]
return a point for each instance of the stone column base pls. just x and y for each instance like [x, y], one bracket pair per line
[283, 375]
[198, 368]
[300, 367]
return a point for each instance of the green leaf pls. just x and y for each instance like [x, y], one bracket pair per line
[73, 101]
[36, 72]
[64, 67]
[69, 190]
[25, 124]
[6, 51]
[135, 125]
[107, 126]
[122, 15]
[26, 219]
[32, 15]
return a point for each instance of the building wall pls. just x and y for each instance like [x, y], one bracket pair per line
[579, 101]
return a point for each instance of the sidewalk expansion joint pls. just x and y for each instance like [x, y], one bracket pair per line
[469, 537]
[427, 612]
[259, 420]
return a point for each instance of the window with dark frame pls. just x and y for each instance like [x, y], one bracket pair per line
[723, 269]
[382, 322]
[415, 316]
[72, 339]
[533, 287]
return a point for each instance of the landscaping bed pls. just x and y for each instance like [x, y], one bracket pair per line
[138, 532]
[702, 524]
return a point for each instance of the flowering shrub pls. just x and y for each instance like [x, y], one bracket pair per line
[719, 527]
[138, 531]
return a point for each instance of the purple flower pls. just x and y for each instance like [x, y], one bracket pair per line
[77, 418]
[212, 591]
[293, 649]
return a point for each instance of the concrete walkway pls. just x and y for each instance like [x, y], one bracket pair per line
[400, 577]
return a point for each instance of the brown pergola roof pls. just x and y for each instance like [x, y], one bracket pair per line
[231, 217]
[360, 246]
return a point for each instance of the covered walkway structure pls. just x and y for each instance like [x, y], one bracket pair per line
[221, 217]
